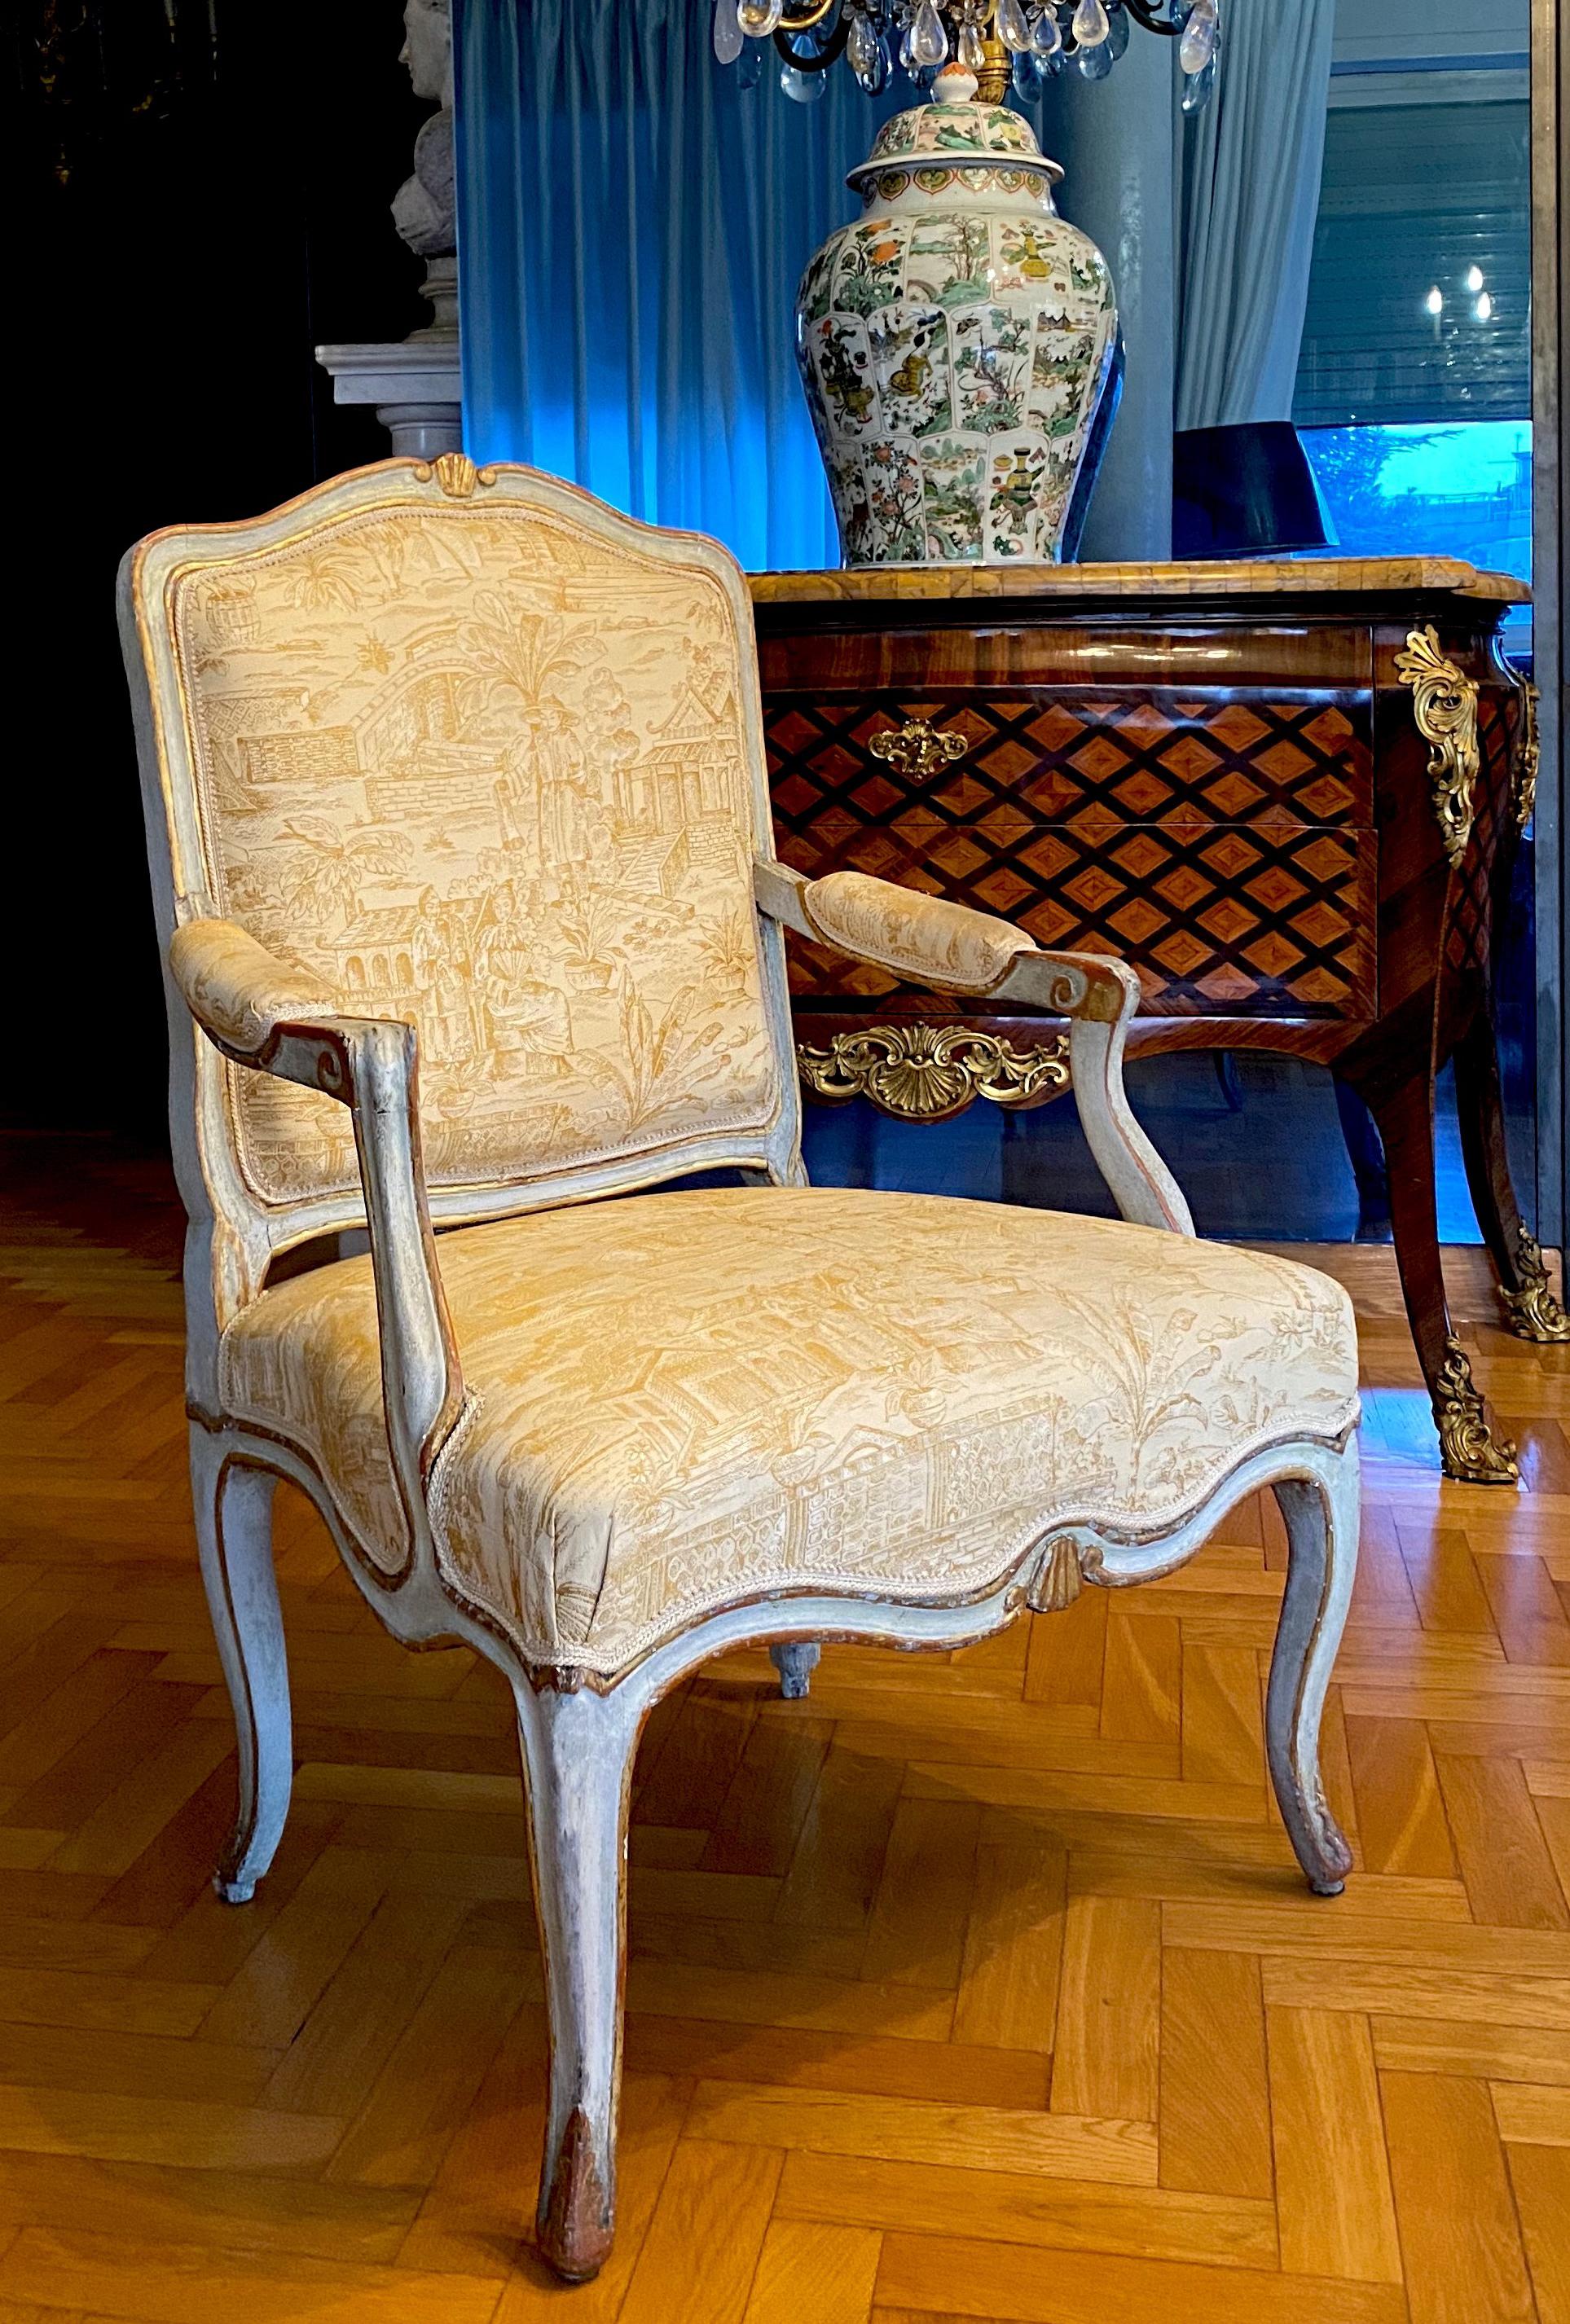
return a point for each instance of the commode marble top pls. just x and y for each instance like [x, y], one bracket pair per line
[1298, 577]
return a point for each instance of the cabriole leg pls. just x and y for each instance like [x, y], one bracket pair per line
[796, 1660]
[577, 1760]
[1469, 1449]
[1532, 1311]
[1322, 1528]
[232, 1503]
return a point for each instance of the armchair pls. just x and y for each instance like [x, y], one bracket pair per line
[402, 741]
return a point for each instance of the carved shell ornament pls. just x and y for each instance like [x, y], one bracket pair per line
[1445, 709]
[455, 473]
[1065, 1563]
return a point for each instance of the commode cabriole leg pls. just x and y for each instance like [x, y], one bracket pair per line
[1531, 1308]
[232, 1502]
[577, 1760]
[1469, 1449]
[1322, 1529]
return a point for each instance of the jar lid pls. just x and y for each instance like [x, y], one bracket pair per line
[952, 129]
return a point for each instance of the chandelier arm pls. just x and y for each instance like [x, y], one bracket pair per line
[813, 13]
[1143, 12]
[829, 54]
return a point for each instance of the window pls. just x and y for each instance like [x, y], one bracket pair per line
[1461, 490]
[1414, 384]
[1418, 294]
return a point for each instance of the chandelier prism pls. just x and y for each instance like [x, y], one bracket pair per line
[1024, 42]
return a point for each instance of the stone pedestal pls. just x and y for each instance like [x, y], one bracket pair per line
[415, 384]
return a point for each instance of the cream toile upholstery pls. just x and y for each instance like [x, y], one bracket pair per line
[685, 1402]
[451, 813]
[409, 743]
[458, 827]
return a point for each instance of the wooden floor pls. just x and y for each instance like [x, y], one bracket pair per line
[974, 1987]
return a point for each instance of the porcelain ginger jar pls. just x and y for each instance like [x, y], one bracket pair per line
[957, 343]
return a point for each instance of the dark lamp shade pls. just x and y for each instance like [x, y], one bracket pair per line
[1245, 492]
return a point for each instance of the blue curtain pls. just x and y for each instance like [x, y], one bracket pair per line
[632, 224]
[1250, 195]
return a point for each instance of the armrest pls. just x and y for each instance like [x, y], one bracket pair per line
[957, 950]
[920, 937]
[265, 1013]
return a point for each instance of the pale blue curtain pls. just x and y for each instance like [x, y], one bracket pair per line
[1251, 165]
[632, 225]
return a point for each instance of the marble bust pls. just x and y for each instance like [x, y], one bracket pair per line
[415, 383]
[425, 209]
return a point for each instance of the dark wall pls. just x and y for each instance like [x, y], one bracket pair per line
[193, 208]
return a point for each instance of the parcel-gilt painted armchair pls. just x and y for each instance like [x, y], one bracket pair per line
[475, 934]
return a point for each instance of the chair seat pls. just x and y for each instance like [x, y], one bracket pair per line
[679, 1401]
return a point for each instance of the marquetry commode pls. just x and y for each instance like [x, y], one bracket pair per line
[1289, 795]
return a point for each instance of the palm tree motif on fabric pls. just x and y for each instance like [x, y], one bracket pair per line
[592, 923]
[329, 580]
[327, 880]
[1156, 1387]
[669, 1056]
[529, 660]
[539, 684]
[728, 947]
[379, 562]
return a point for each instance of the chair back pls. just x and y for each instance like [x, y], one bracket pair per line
[486, 755]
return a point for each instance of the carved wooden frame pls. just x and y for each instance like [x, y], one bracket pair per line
[578, 1733]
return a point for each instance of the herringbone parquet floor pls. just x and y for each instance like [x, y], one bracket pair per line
[979, 1987]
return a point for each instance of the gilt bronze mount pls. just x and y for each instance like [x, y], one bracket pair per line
[1469, 1449]
[1445, 709]
[924, 1072]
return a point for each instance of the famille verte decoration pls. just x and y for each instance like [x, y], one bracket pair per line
[958, 345]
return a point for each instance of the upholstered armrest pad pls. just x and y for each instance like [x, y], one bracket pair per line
[238, 991]
[917, 936]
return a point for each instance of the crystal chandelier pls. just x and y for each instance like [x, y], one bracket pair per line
[998, 40]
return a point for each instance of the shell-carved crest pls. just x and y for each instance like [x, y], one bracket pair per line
[1445, 708]
[455, 473]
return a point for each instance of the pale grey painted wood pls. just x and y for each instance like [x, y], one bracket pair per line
[577, 1762]
[1141, 1184]
[795, 1659]
[1322, 1524]
[233, 1501]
